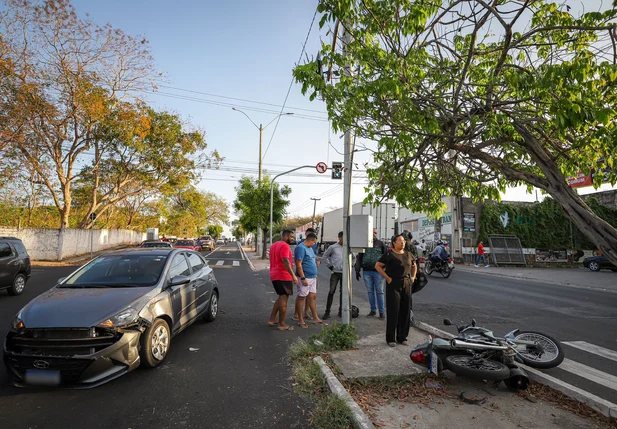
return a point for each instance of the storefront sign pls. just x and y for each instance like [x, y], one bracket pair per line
[469, 222]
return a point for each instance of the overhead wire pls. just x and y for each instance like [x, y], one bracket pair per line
[290, 85]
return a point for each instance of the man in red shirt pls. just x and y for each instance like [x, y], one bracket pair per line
[481, 255]
[283, 279]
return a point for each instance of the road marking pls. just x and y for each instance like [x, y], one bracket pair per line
[589, 373]
[220, 262]
[592, 348]
[236, 263]
[240, 249]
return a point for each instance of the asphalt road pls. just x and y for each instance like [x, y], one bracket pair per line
[239, 377]
[569, 314]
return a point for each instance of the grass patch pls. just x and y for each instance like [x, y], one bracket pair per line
[330, 412]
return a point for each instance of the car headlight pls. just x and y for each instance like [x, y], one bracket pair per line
[125, 317]
[17, 323]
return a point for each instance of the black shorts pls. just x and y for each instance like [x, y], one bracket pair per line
[283, 287]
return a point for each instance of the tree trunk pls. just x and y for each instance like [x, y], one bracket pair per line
[264, 242]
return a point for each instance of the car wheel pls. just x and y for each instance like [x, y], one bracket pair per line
[155, 342]
[18, 286]
[213, 308]
[594, 266]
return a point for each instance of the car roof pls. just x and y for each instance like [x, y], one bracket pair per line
[10, 238]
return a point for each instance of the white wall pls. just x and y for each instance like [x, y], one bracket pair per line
[55, 245]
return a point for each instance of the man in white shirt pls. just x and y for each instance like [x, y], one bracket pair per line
[422, 248]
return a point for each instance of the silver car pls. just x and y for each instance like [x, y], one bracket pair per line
[116, 312]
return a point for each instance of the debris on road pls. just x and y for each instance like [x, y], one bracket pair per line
[193, 349]
[472, 401]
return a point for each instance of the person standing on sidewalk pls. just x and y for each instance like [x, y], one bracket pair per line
[315, 248]
[333, 257]
[283, 279]
[374, 282]
[481, 255]
[306, 269]
[399, 270]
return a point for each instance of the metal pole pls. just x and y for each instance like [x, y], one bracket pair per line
[91, 238]
[259, 243]
[347, 166]
[314, 209]
[272, 193]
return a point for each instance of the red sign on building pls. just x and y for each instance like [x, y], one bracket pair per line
[580, 180]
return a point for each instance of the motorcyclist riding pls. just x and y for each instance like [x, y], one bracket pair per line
[439, 254]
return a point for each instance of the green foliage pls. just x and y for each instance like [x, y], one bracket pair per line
[336, 337]
[253, 203]
[215, 231]
[332, 412]
[541, 225]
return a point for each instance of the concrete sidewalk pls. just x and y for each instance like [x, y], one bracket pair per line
[574, 277]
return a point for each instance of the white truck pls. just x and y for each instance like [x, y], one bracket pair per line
[384, 219]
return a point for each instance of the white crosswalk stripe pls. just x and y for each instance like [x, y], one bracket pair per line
[592, 348]
[589, 373]
[236, 263]
[220, 263]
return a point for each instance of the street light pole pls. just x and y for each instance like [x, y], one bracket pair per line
[261, 128]
[272, 192]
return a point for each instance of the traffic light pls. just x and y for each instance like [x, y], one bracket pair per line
[337, 170]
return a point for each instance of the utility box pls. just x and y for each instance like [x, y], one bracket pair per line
[152, 234]
[361, 232]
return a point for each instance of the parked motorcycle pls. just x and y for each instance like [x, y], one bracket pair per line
[476, 352]
[443, 266]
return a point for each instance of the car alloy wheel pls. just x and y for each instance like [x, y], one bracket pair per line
[594, 266]
[213, 310]
[160, 342]
[19, 284]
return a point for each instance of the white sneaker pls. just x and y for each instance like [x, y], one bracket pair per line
[486, 266]
[476, 266]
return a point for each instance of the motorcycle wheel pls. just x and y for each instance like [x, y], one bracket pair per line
[428, 267]
[551, 356]
[445, 271]
[470, 366]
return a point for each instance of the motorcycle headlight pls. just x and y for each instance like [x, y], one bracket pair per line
[125, 317]
[17, 323]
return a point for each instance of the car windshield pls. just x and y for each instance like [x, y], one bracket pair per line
[119, 271]
[184, 243]
[156, 245]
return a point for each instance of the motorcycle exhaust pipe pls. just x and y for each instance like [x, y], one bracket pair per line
[518, 379]
[459, 344]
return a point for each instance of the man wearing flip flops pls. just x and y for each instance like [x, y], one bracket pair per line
[283, 279]
[306, 269]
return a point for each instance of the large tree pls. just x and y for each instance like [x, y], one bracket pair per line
[253, 205]
[192, 210]
[467, 97]
[67, 73]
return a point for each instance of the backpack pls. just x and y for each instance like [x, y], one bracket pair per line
[370, 258]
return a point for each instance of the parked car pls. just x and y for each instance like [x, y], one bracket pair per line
[15, 268]
[220, 242]
[207, 242]
[597, 263]
[188, 244]
[156, 244]
[117, 312]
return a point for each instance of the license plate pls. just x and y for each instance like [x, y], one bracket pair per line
[451, 264]
[434, 365]
[42, 377]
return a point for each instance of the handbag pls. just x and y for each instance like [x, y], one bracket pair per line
[419, 283]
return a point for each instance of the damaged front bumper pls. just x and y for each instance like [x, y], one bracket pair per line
[73, 358]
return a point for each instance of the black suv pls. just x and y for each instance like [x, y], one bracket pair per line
[14, 265]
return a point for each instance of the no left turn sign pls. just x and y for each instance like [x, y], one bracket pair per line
[321, 167]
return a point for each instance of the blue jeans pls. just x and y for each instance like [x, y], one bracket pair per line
[374, 287]
[481, 257]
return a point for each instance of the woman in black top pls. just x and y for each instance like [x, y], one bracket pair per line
[399, 269]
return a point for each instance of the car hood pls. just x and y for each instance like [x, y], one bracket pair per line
[79, 308]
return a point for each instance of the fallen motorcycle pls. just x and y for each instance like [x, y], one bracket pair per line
[477, 353]
[444, 267]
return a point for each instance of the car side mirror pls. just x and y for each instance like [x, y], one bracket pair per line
[473, 322]
[179, 280]
[60, 280]
[447, 322]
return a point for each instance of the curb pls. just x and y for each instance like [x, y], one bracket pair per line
[602, 406]
[246, 258]
[361, 420]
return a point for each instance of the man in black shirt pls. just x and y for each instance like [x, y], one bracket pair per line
[374, 281]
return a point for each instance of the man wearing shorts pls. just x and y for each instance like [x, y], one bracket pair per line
[283, 279]
[306, 268]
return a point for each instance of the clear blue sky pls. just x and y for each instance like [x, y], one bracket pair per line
[243, 49]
